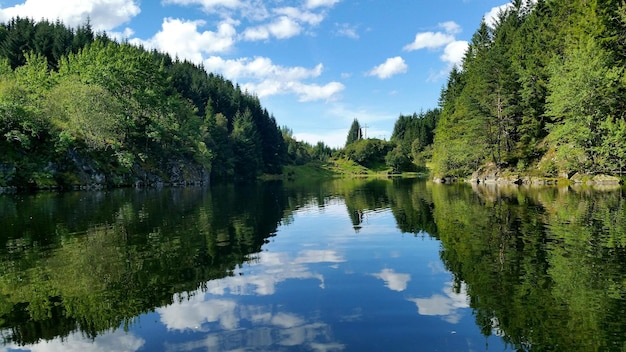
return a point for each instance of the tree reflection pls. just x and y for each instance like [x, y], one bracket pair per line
[543, 267]
[95, 261]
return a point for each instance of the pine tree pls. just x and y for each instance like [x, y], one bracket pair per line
[354, 134]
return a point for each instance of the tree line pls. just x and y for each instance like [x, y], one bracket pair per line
[408, 149]
[540, 91]
[71, 98]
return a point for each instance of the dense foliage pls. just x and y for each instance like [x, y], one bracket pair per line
[80, 108]
[408, 149]
[542, 91]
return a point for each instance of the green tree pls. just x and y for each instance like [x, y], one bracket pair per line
[355, 133]
[583, 90]
[246, 147]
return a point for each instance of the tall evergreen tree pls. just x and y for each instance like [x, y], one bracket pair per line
[355, 133]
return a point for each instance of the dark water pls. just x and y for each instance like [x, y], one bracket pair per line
[347, 265]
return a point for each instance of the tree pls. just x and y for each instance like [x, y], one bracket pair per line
[583, 90]
[246, 147]
[354, 134]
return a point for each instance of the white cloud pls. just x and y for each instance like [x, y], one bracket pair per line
[284, 27]
[103, 14]
[429, 40]
[492, 16]
[394, 281]
[259, 67]
[262, 77]
[183, 39]
[391, 67]
[311, 4]
[301, 15]
[314, 92]
[121, 36]
[450, 27]
[454, 52]
[287, 23]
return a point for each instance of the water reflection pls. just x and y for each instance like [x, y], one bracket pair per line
[113, 341]
[393, 281]
[344, 265]
[447, 306]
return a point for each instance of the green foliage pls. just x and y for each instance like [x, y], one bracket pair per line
[354, 134]
[367, 152]
[398, 160]
[412, 134]
[69, 95]
[546, 79]
[107, 258]
[542, 268]
[584, 89]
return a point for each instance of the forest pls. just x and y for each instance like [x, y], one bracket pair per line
[539, 92]
[79, 108]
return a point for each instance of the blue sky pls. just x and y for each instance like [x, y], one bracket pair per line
[315, 64]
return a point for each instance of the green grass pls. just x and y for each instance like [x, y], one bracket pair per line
[336, 168]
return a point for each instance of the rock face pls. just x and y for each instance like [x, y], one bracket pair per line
[82, 172]
[489, 174]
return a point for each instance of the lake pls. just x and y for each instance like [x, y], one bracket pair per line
[341, 265]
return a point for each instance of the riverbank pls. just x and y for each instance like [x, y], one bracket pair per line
[490, 175]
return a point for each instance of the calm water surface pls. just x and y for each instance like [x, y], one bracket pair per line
[346, 265]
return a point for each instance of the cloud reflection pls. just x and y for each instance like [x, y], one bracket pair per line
[269, 327]
[394, 281]
[76, 342]
[447, 306]
[272, 268]
[235, 326]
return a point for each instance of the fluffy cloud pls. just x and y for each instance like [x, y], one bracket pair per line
[391, 67]
[286, 22]
[183, 39]
[429, 40]
[450, 27]
[282, 28]
[301, 15]
[103, 14]
[262, 77]
[435, 40]
[454, 52]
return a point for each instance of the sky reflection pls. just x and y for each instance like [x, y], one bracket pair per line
[448, 305]
[76, 342]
